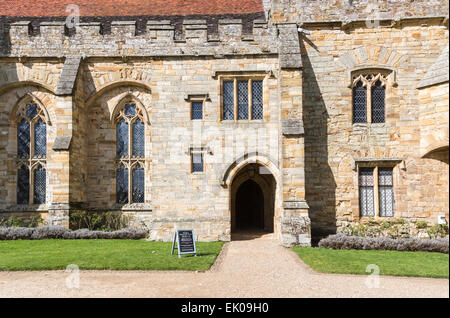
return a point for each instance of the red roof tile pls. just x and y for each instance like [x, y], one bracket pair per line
[90, 8]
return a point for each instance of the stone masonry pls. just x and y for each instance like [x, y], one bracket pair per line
[305, 52]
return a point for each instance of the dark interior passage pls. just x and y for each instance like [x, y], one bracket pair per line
[249, 206]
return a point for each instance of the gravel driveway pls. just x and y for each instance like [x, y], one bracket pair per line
[256, 267]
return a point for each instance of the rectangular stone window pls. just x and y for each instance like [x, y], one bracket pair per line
[386, 192]
[197, 162]
[366, 192]
[197, 110]
[242, 99]
[376, 191]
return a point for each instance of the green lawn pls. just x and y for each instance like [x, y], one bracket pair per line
[419, 264]
[27, 255]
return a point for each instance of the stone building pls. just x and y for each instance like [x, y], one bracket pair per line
[297, 117]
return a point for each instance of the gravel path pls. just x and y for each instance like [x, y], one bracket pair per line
[258, 267]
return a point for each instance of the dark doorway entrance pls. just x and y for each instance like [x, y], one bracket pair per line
[249, 206]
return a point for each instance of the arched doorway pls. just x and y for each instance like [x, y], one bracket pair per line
[253, 199]
[249, 206]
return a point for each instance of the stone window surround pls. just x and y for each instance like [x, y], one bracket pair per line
[198, 150]
[392, 163]
[388, 78]
[33, 162]
[197, 98]
[130, 162]
[242, 77]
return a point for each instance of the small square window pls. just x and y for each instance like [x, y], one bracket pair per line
[197, 110]
[197, 162]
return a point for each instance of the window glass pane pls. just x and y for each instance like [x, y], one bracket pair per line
[378, 103]
[122, 185]
[138, 138]
[122, 138]
[23, 185]
[228, 101]
[359, 103]
[40, 138]
[130, 109]
[32, 110]
[386, 191]
[242, 100]
[138, 184]
[197, 162]
[366, 192]
[197, 110]
[39, 185]
[257, 96]
[23, 139]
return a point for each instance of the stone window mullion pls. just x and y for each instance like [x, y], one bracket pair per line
[369, 101]
[376, 193]
[235, 89]
[250, 99]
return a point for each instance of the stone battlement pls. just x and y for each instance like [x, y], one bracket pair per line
[160, 37]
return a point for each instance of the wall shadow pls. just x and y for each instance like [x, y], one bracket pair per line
[320, 186]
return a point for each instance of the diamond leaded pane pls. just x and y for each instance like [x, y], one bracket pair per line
[386, 192]
[32, 110]
[23, 139]
[242, 100]
[40, 138]
[366, 192]
[197, 162]
[138, 138]
[138, 184]
[122, 185]
[257, 102]
[228, 101]
[359, 103]
[40, 183]
[23, 185]
[197, 110]
[130, 109]
[378, 103]
[122, 139]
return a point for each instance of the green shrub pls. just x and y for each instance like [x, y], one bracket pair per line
[438, 230]
[421, 225]
[98, 221]
[17, 221]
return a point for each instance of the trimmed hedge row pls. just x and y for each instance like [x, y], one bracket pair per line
[58, 232]
[345, 242]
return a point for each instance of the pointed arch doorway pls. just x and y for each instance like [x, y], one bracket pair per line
[253, 199]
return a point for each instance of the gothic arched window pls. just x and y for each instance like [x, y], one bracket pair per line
[31, 154]
[130, 152]
[369, 96]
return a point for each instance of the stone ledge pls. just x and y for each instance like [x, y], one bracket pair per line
[295, 205]
[292, 127]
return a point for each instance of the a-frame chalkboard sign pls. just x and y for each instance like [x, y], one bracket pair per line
[184, 241]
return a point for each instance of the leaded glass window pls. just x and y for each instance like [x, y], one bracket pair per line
[31, 154]
[378, 101]
[122, 138]
[228, 100]
[257, 100]
[366, 192]
[359, 103]
[369, 96]
[197, 162]
[40, 138]
[40, 181]
[138, 184]
[386, 192]
[242, 100]
[245, 96]
[23, 185]
[197, 110]
[130, 149]
[122, 185]
[23, 139]
[138, 138]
